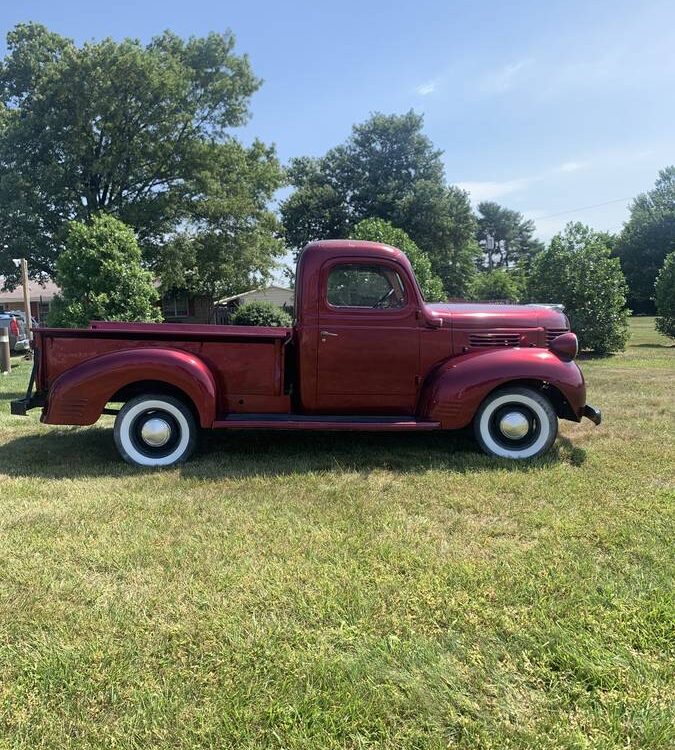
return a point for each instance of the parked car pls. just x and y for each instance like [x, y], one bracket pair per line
[365, 353]
[18, 337]
[20, 314]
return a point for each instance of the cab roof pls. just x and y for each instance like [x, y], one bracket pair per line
[332, 248]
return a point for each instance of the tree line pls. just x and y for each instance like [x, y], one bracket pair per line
[127, 152]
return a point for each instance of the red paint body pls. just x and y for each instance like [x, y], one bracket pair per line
[418, 366]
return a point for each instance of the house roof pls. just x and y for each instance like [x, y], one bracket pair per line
[46, 291]
[272, 287]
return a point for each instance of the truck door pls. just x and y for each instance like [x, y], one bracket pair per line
[368, 338]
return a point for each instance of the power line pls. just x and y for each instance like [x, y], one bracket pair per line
[583, 208]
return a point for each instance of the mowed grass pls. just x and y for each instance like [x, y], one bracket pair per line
[346, 591]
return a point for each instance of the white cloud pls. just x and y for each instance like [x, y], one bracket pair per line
[491, 189]
[427, 88]
[572, 166]
[504, 79]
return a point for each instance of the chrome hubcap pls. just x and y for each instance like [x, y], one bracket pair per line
[156, 432]
[514, 425]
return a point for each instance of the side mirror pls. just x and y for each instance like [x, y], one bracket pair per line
[434, 322]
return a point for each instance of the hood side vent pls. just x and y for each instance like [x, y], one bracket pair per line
[494, 339]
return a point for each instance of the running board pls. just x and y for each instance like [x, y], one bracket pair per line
[322, 422]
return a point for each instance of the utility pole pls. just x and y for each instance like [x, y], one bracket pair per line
[23, 264]
[26, 299]
[490, 247]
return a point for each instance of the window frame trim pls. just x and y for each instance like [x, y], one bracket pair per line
[411, 299]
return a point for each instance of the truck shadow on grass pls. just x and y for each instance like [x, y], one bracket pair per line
[90, 452]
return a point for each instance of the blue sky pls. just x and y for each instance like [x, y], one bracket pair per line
[546, 107]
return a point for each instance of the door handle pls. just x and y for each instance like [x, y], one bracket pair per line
[327, 333]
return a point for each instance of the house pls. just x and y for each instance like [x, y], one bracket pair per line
[180, 307]
[277, 295]
[41, 297]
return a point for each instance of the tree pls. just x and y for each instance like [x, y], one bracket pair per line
[577, 270]
[388, 169]
[495, 285]
[512, 236]
[261, 313]
[141, 132]
[646, 239]
[101, 276]
[378, 230]
[231, 242]
[665, 297]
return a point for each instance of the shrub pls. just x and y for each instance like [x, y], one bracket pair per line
[101, 277]
[378, 230]
[494, 285]
[577, 270]
[261, 314]
[665, 297]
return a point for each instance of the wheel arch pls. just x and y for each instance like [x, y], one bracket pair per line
[453, 392]
[80, 394]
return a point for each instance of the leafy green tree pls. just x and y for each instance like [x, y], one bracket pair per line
[512, 236]
[388, 169]
[577, 270]
[495, 285]
[101, 276]
[261, 313]
[646, 239]
[142, 132]
[665, 297]
[378, 230]
[232, 240]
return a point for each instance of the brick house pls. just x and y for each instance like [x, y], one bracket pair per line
[41, 296]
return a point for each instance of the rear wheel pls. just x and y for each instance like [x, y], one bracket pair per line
[516, 423]
[155, 430]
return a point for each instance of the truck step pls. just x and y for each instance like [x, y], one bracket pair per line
[323, 422]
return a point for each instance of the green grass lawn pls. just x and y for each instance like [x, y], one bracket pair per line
[345, 591]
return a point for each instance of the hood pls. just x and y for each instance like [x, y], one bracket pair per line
[477, 315]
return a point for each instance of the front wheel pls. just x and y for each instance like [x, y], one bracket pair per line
[516, 423]
[155, 430]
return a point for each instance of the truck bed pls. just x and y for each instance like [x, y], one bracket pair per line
[249, 358]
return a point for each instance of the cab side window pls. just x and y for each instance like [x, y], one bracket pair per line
[365, 285]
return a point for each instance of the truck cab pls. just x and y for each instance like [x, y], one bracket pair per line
[366, 352]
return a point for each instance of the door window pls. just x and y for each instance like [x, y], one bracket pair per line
[365, 285]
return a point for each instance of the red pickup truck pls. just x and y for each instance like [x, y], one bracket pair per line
[366, 353]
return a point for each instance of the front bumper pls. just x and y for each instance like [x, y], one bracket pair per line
[595, 415]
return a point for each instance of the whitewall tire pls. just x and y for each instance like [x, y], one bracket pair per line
[516, 423]
[155, 430]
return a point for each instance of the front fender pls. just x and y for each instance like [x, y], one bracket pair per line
[79, 395]
[454, 390]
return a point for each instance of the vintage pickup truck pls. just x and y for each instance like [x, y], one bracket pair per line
[366, 353]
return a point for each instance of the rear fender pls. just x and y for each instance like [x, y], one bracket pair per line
[454, 390]
[79, 395]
